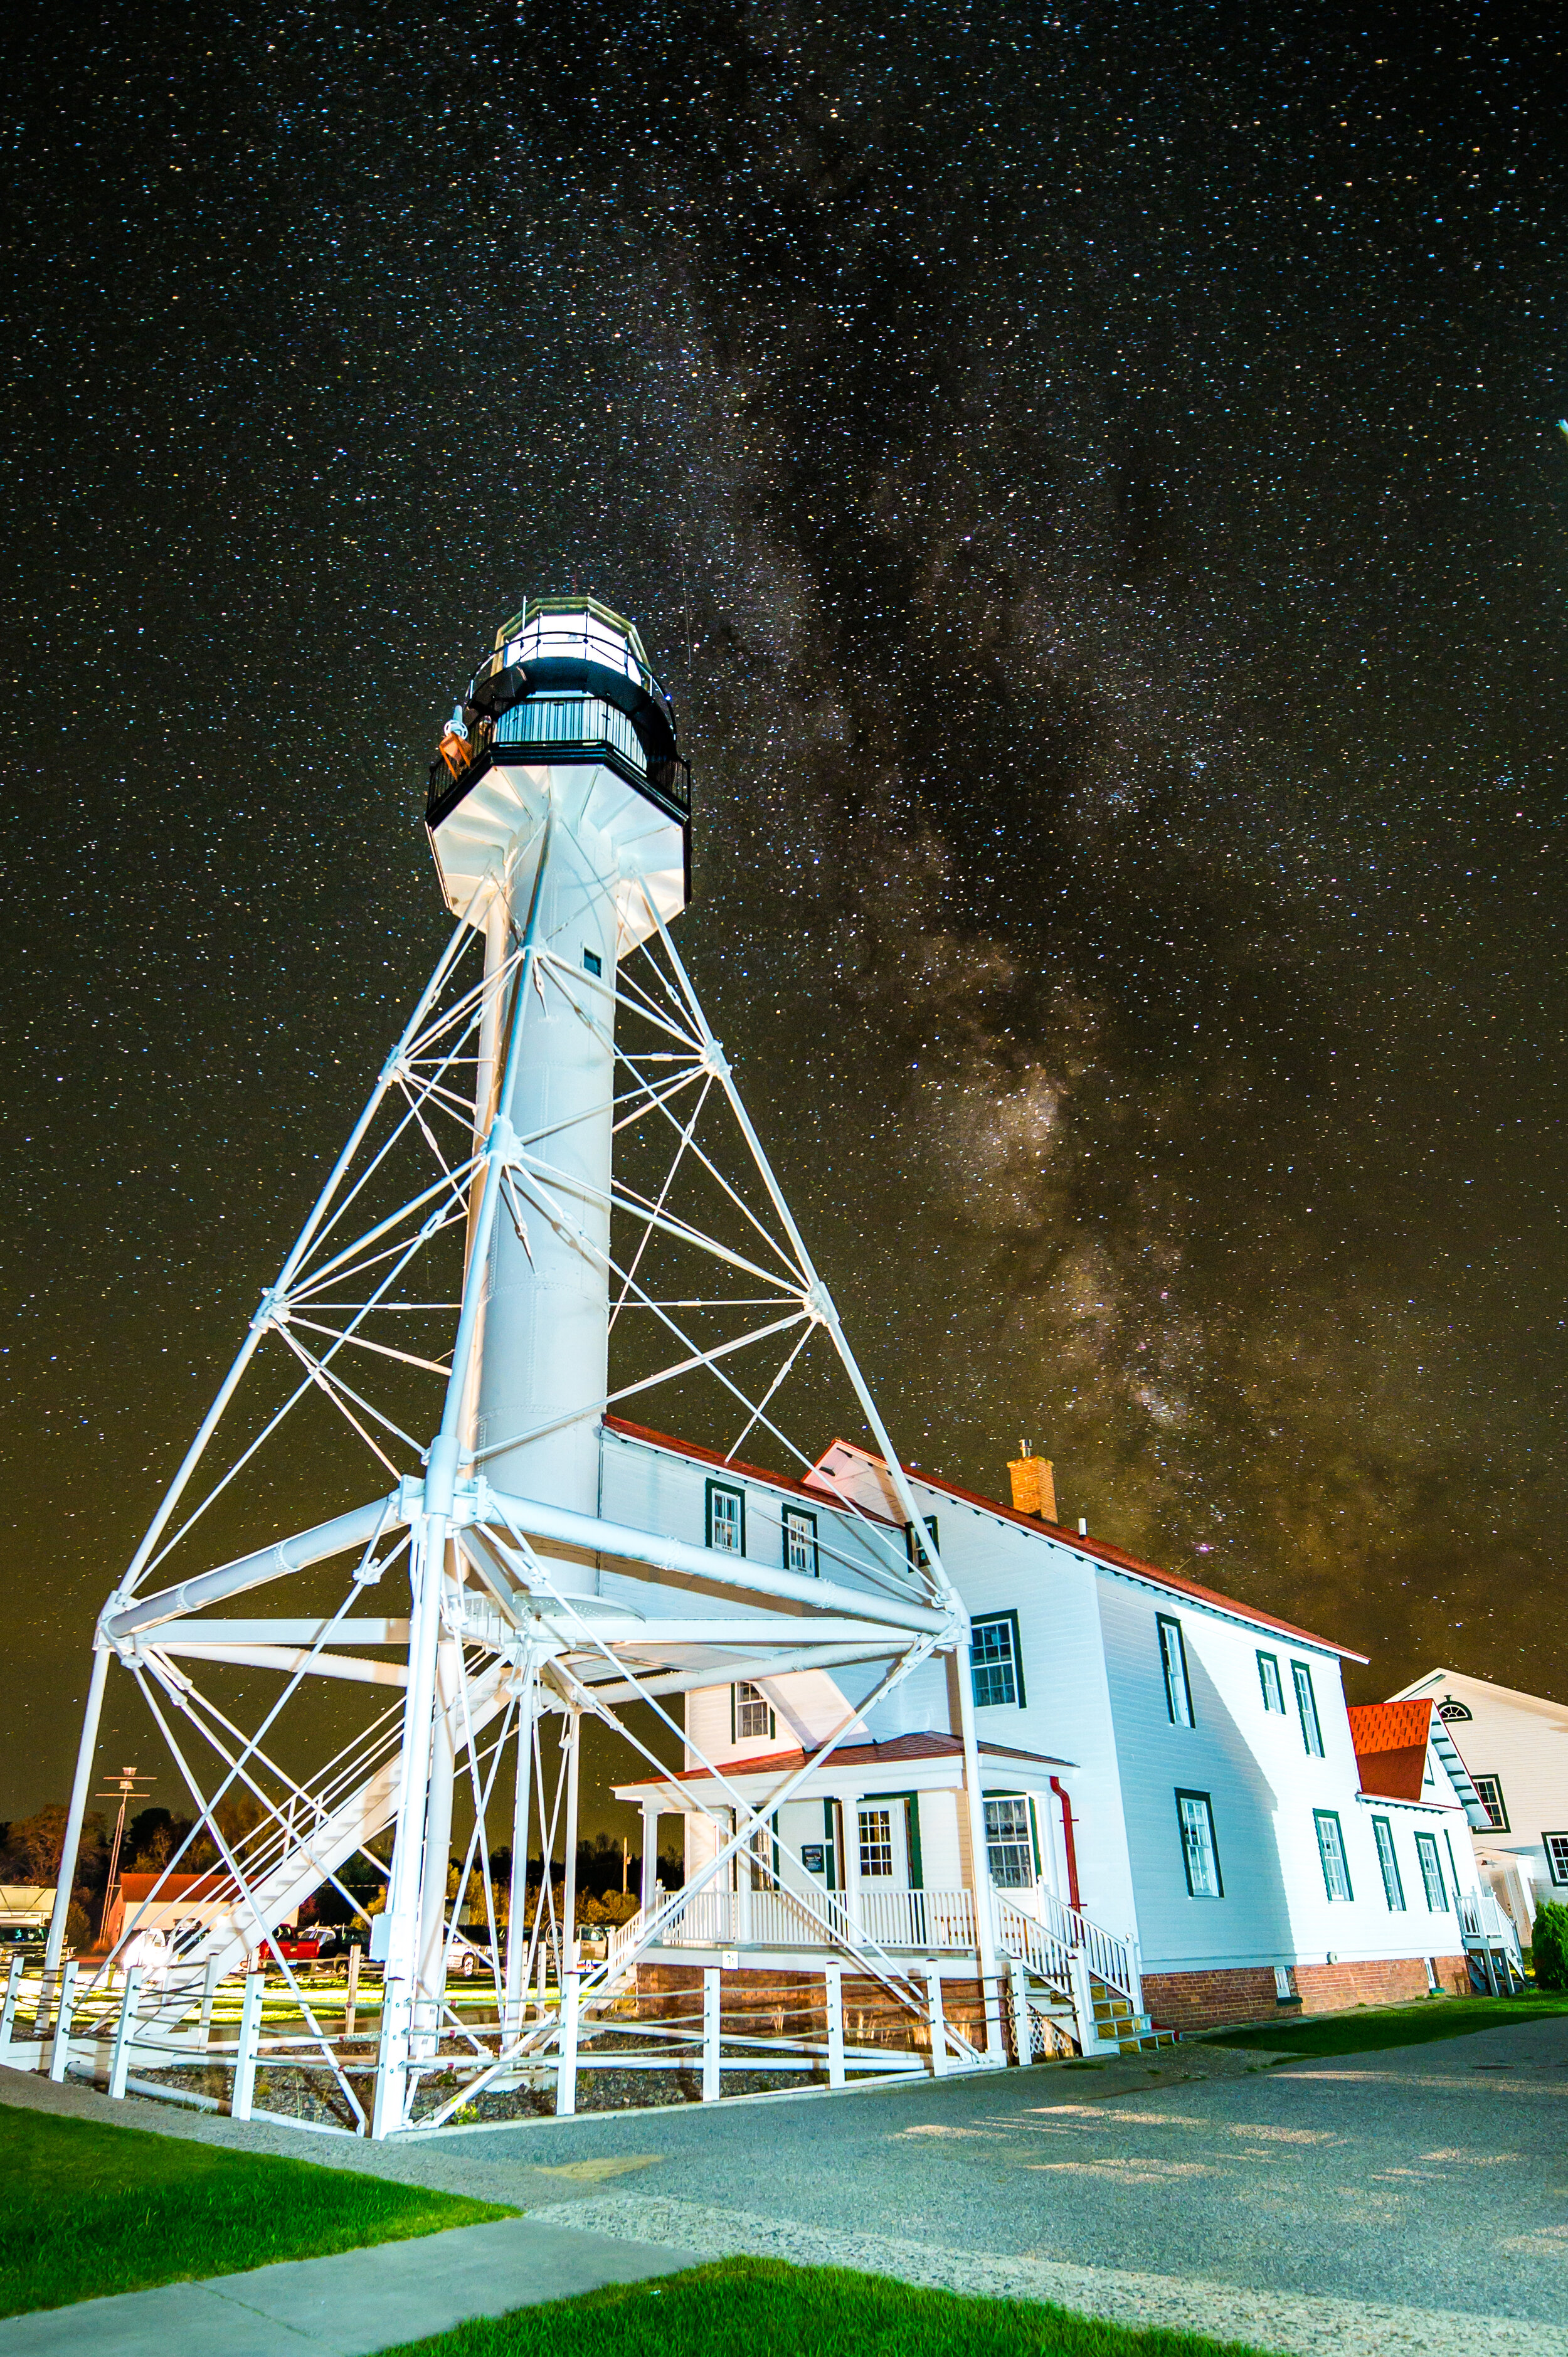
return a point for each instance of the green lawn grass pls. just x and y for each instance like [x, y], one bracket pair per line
[763, 2308]
[1370, 2029]
[89, 2209]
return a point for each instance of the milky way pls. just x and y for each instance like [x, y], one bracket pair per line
[1092, 484]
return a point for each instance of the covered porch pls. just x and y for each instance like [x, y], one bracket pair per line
[872, 1858]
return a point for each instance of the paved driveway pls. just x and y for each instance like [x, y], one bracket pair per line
[1432, 2179]
[1416, 2198]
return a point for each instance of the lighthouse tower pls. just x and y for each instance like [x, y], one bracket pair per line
[564, 823]
[450, 1303]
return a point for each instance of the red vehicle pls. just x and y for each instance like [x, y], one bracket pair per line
[309, 1943]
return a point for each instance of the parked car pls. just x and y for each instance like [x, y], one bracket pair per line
[464, 1959]
[23, 1935]
[309, 1943]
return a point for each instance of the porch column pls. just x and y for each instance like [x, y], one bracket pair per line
[649, 1856]
[849, 1810]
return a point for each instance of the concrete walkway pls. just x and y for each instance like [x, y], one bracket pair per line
[348, 2305]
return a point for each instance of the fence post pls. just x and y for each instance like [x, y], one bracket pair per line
[711, 2001]
[351, 2001]
[990, 1989]
[939, 2024]
[566, 2068]
[208, 1991]
[244, 2086]
[125, 2032]
[8, 2011]
[60, 2049]
[43, 2008]
[833, 1975]
[1083, 2003]
[1018, 1996]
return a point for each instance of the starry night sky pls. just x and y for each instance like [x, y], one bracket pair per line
[1091, 481]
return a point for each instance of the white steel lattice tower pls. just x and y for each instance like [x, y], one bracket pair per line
[559, 817]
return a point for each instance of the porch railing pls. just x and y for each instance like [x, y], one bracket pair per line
[1484, 1923]
[933, 1921]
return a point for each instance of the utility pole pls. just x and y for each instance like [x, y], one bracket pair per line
[125, 1786]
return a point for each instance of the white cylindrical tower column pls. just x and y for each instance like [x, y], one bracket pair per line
[543, 1368]
[560, 777]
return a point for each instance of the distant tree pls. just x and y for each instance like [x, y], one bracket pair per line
[37, 1844]
[152, 1838]
[1550, 1945]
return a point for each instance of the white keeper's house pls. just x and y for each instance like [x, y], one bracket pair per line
[1179, 1824]
[1516, 1747]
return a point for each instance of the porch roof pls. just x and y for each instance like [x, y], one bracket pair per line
[899, 1751]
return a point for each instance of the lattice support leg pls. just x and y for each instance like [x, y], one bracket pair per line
[244, 2089]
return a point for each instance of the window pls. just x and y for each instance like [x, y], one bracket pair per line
[916, 1545]
[591, 961]
[1010, 1844]
[749, 1712]
[1306, 1708]
[1331, 1854]
[1199, 1852]
[1268, 1679]
[876, 1844]
[801, 1541]
[1173, 1656]
[1284, 1993]
[1453, 1712]
[995, 1650]
[1490, 1788]
[1431, 1873]
[726, 1519]
[1394, 1888]
[1556, 1855]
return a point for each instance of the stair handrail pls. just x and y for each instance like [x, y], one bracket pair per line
[1061, 1931]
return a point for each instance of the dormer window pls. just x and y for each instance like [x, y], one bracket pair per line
[751, 1712]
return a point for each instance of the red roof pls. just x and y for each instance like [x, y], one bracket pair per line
[217, 1885]
[1098, 1549]
[1391, 1740]
[896, 1749]
[1103, 1553]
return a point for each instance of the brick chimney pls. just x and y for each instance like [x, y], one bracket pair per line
[1034, 1484]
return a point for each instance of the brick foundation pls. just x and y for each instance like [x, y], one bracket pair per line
[1211, 2000]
